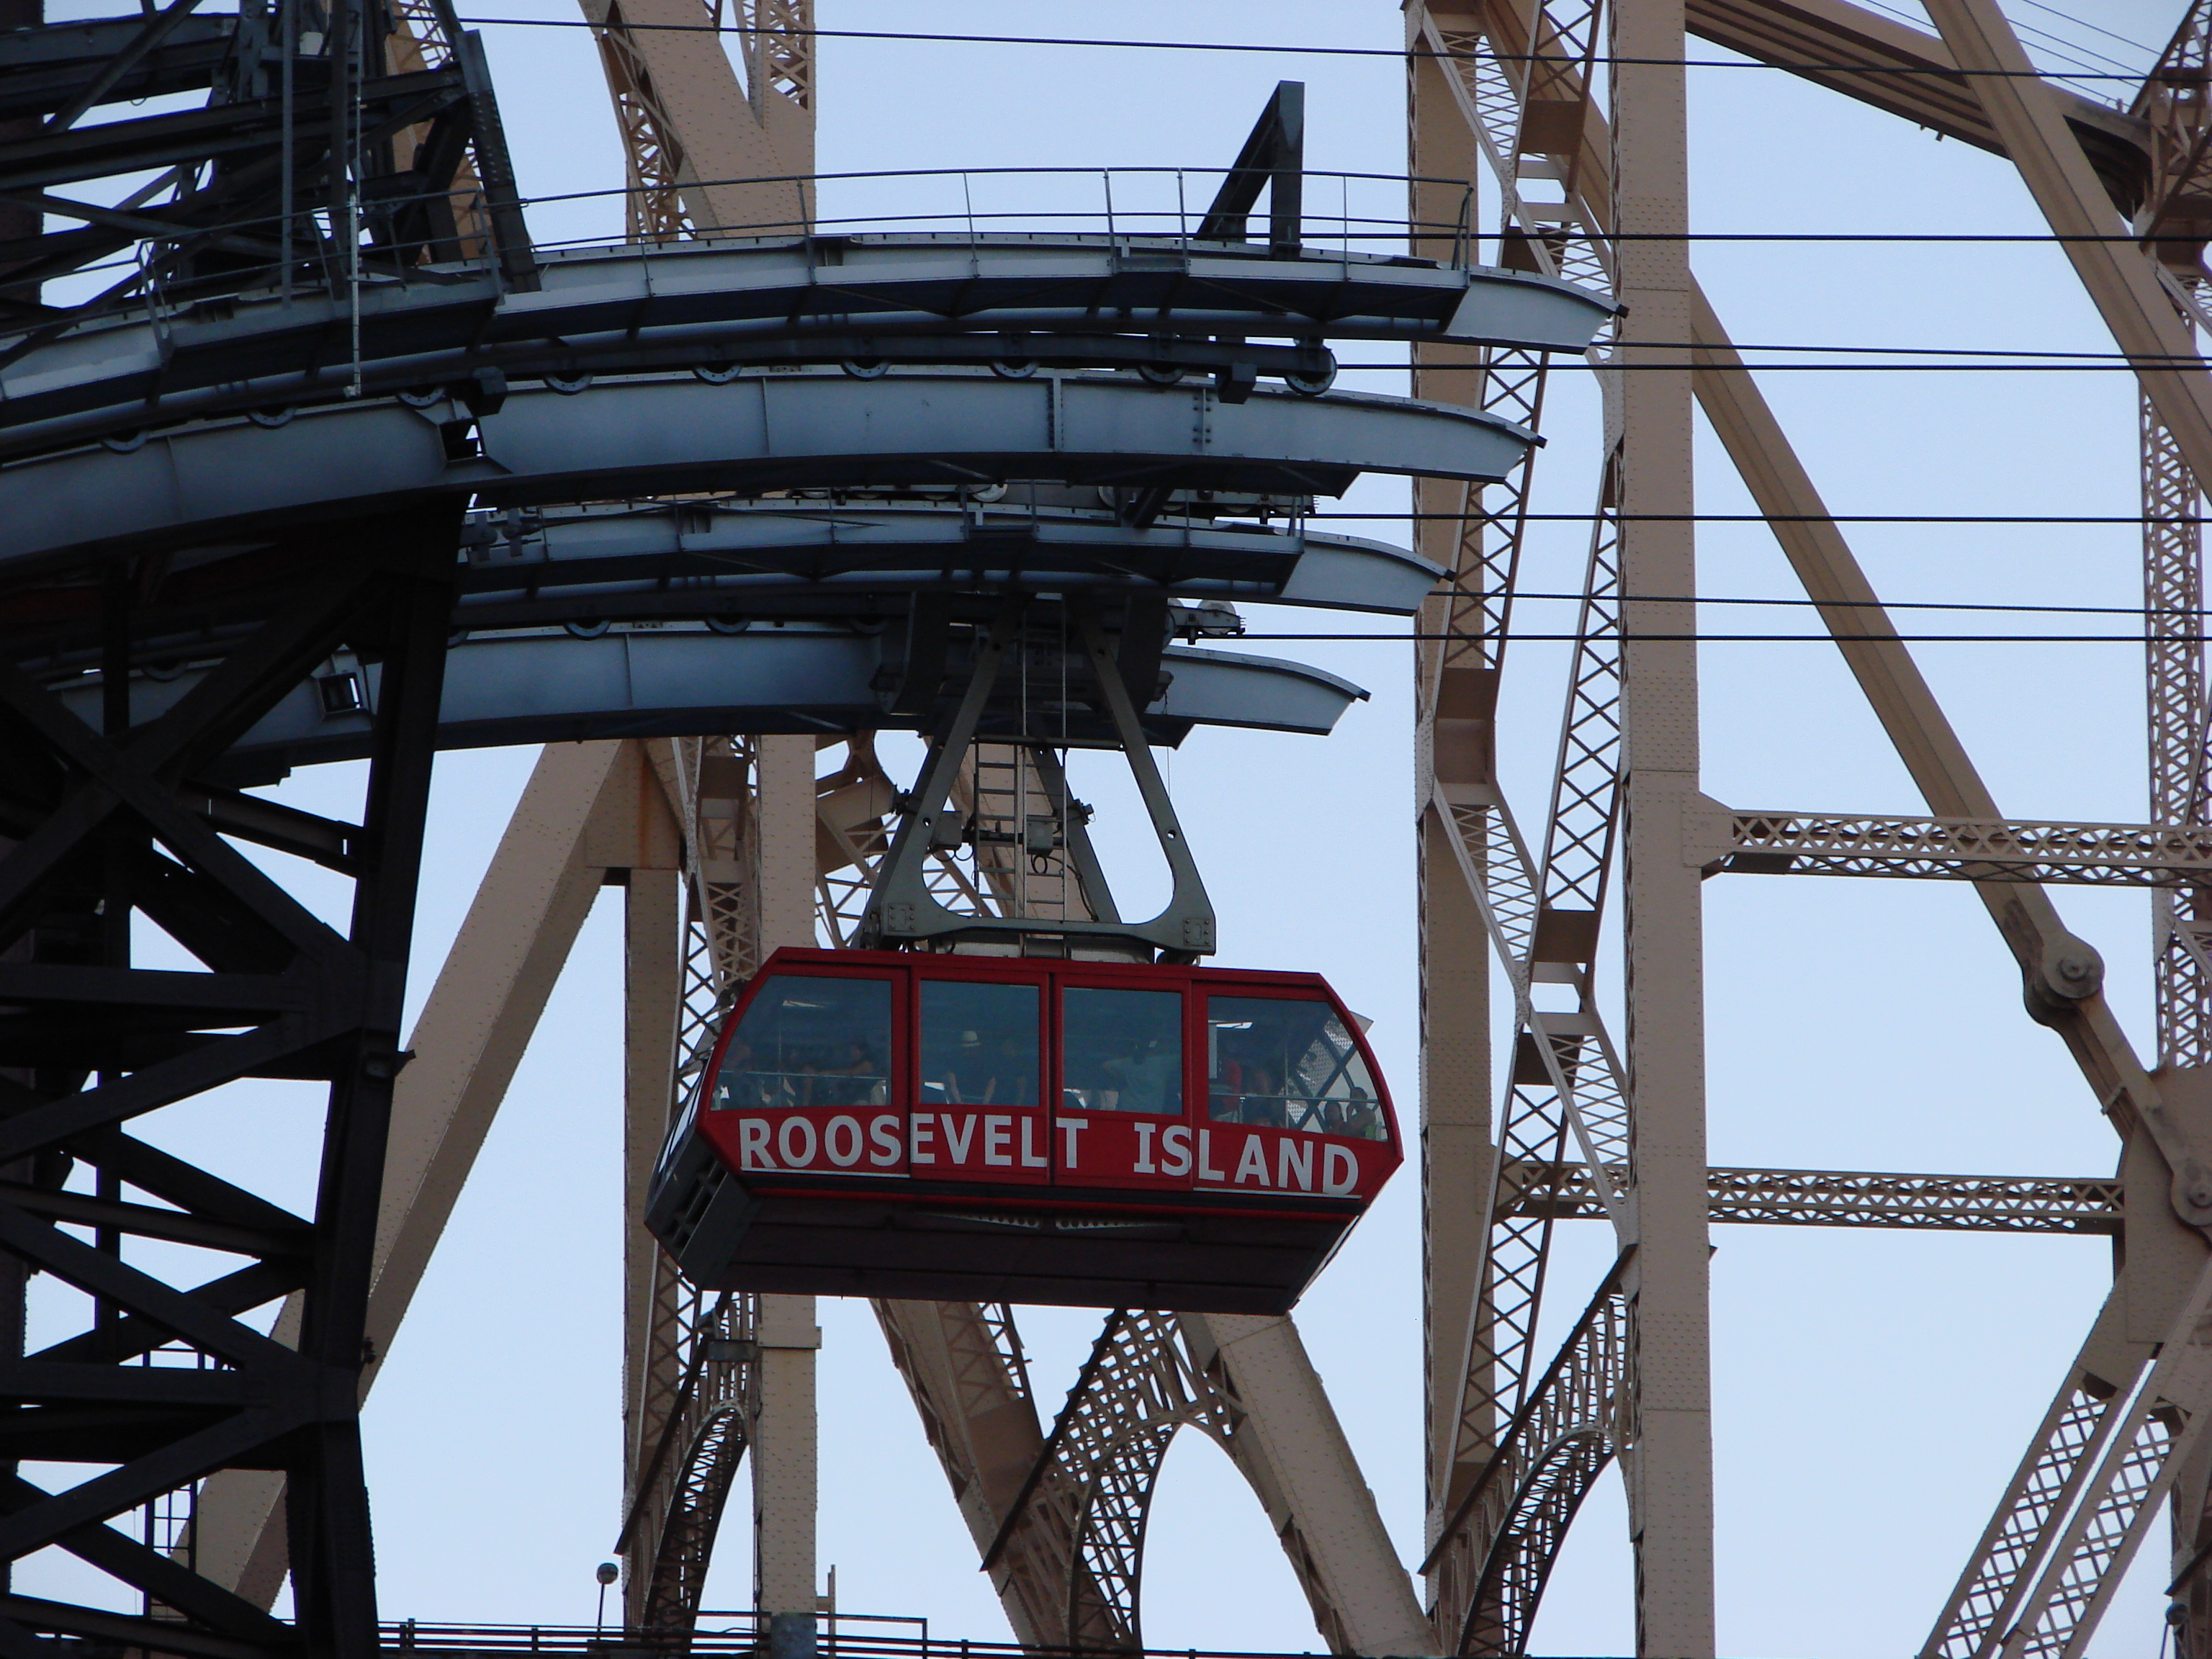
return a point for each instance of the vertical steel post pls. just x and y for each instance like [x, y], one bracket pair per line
[1669, 1457]
[784, 1457]
[333, 1578]
[653, 1006]
[1456, 693]
[2173, 582]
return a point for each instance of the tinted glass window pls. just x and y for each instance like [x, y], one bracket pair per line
[1121, 1051]
[1288, 1064]
[808, 1042]
[979, 1044]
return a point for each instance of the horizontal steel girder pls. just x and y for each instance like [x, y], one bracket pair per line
[1849, 1197]
[43, 70]
[868, 564]
[554, 688]
[825, 559]
[1957, 850]
[660, 436]
[78, 155]
[1907, 71]
[771, 303]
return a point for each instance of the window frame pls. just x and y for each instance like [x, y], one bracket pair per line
[895, 1085]
[1208, 989]
[1039, 991]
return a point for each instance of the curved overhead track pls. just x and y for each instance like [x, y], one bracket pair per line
[825, 559]
[1066, 302]
[734, 564]
[667, 435]
[552, 687]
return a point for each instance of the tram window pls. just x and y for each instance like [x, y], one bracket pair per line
[1287, 1064]
[978, 1043]
[1121, 1051]
[809, 1041]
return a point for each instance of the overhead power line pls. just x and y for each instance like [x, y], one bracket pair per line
[1582, 517]
[1701, 637]
[2084, 23]
[1579, 366]
[1280, 48]
[1878, 605]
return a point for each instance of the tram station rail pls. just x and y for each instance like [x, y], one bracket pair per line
[1342, 211]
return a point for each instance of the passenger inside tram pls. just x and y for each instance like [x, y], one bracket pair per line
[1121, 1051]
[1287, 1063]
[809, 1041]
[978, 1043]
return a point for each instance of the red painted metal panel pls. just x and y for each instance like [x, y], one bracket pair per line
[960, 1096]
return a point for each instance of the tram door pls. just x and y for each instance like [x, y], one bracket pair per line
[979, 1112]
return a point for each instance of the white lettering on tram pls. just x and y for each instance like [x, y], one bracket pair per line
[1205, 1170]
[792, 1144]
[1333, 1158]
[1174, 1149]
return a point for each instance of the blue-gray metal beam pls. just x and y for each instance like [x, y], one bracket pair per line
[551, 687]
[694, 558]
[669, 435]
[617, 311]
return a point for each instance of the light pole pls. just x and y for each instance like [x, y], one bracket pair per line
[607, 1573]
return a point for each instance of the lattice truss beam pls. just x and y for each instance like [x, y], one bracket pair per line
[352, 145]
[2164, 855]
[1845, 1198]
[1511, 1454]
[702, 151]
[117, 853]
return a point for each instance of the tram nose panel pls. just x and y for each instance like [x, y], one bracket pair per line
[979, 1128]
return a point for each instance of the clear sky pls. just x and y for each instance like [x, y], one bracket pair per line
[1872, 1391]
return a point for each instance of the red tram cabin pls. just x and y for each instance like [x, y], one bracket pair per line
[989, 1128]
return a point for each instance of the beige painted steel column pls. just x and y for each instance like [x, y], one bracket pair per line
[785, 1429]
[653, 993]
[1456, 1141]
[1669, 1459]
[1292, 1450]
[736, 155]
[2121, 281]
[1455, 699]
